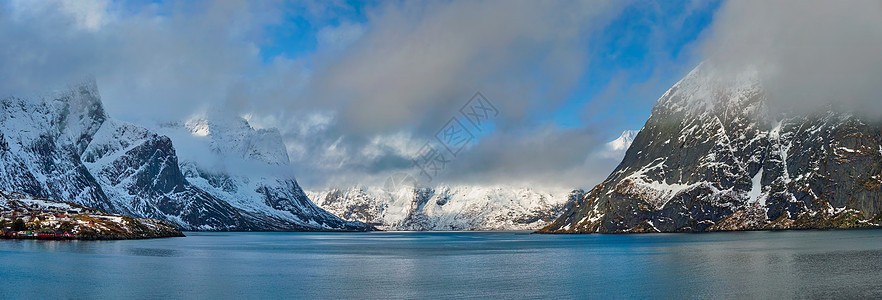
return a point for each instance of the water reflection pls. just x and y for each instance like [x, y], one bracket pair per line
[153, 252]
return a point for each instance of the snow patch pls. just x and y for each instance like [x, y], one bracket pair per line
[756, 189]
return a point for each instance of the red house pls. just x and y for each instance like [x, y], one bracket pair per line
[46, 233]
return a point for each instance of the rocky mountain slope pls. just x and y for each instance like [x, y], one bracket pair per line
[249, 168]
[713, 157]
[446, 207]
[63, 146]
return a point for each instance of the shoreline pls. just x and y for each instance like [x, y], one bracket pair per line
[100, 238]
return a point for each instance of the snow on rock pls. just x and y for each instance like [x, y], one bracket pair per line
[248, 168]
[615, 149]
[446, 207]
[756, 188]
[712, 157]
[234, 137]
[62, 146]
[623, 141]
[80, 221]
[461, 207]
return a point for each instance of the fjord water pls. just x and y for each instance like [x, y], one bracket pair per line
[792, 264]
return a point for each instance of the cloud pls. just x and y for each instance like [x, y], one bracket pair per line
[419, 62]
[360, 100]
[810, 53]
[153, 62]
[88, 15]
[546, 157]
[413, 65]
[337, 38]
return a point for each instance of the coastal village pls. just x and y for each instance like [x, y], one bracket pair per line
[49, 222]
[27, 217]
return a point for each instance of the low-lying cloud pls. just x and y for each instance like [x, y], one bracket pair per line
[809, 53]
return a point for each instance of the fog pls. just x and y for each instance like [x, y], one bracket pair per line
[810, 54]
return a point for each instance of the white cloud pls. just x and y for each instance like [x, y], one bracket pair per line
[810, 53]
[86, 14]
[336, 38]
[420, 60]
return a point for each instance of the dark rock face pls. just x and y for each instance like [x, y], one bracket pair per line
[712, 157]
[290, 197]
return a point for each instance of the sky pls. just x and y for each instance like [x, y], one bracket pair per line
[362, 90]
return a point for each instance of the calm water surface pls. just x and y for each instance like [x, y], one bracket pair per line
[449, 265]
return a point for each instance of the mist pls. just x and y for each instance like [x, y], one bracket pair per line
[810, 54]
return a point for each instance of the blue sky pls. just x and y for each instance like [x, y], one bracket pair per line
[295, 34]
[645, 42]
[357, 88]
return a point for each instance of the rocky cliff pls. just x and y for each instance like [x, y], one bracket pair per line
[712, 156]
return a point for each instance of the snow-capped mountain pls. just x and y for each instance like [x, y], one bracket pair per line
[404, 206]
[41, 140]
[233, 137]
[248, 168]
[713, 157]
[623, 141]
[62, 146]
[616, 148]
[407, 207]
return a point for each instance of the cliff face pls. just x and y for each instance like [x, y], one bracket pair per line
[42, 140]
[249, 169]
[713, 157]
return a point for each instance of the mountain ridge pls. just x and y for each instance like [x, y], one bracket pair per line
[446, 207]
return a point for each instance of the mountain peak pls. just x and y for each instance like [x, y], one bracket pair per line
[711, 158]
[236, 137]
[87, 83]
[623, 141]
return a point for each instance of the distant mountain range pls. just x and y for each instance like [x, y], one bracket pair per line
[446, 207]
[457, 207]
[63, 146]
[713, 157]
